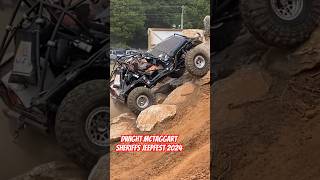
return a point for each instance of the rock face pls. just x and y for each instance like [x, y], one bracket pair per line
[178, 95]
[120, 125]
[55, 170]
[101, 169]
[149, 117]
[119, 129]
[123, 117]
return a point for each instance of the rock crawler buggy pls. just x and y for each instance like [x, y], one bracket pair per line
[56, 77]
[281, 23]
[134, 76]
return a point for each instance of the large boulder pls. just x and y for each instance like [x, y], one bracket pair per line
[179, 95]
[149, 117]
[123, 117]
[55, 170]
[120, 125]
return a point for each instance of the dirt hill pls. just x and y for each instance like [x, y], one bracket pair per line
[192, 124]
[266, 110]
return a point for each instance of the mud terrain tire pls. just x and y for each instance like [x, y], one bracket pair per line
[72, 122]
[142, 93]
[197, 61]
[273, 26]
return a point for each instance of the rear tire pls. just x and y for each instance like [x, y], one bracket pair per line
[139, 99]
[83, 109]
[198, 60]
[269, 22]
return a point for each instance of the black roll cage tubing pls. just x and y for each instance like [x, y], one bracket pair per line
[41, 4]
[38, 8]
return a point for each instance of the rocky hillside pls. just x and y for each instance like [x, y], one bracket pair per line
[266, 111]
[185, 112]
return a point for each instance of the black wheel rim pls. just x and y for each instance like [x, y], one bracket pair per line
[96, 128]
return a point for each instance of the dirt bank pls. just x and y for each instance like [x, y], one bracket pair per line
[266, 113]
[191, 123]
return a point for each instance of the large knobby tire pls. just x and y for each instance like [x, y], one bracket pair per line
[225, 33]
[81, 120]
[269, 22]
[139, 99]
[197, 60]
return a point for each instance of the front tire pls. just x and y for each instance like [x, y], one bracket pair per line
[82, 126]
[281, 23]
[139, 99]
[198, 60]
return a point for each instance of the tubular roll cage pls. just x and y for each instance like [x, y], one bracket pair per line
[37, 7]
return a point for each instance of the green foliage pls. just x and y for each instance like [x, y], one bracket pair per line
[196, 10]
[130, 19]
[124, 20]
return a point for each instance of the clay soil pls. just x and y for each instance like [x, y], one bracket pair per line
[192, 124]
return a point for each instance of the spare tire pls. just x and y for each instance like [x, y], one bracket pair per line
[197, 60]
[283, 23]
